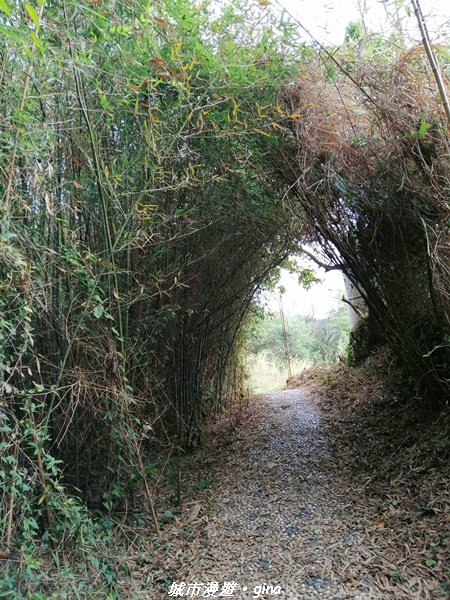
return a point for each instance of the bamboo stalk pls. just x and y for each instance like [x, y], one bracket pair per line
[23, 99]
[10, 510]
[285, 338]
[41, 472]
[431, 56]
[97, 173]
[147, 491]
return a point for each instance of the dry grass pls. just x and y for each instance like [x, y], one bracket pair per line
[372, 178]
[265, 377]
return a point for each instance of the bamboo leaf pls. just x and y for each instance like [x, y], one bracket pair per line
[37, 42]
[98, 311]
[424, 127]
[27, 52]
[11, 33]
[33, 15]
[5, 8]
[103, 100]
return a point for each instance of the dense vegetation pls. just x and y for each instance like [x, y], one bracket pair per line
[140, 214]
[157, 164]
[309, 340]
[374, 135]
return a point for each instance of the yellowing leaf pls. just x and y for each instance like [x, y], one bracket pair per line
[235, 108]
[175, 51]
[5, 8]
[261, 132]
[279, 109]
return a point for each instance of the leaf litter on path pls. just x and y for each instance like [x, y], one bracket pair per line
[288, 504]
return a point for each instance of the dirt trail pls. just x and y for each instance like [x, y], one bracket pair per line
[282, 511]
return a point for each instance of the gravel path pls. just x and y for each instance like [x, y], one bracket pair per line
[281, 511]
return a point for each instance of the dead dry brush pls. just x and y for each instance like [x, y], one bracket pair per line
[372, 176]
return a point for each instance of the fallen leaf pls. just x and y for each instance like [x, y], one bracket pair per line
[194, 512]
[379, 523]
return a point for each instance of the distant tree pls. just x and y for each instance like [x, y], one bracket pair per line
[309, 340]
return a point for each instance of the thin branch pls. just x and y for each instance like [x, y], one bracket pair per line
[431, 57]
[23, 99]
[318, 262]
[357, 309]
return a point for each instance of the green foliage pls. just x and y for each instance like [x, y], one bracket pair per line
[307, 278]
[143, 208]
[365, 337]
[309, 340]
[141, 213]
[354, 32]
[203, 484]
